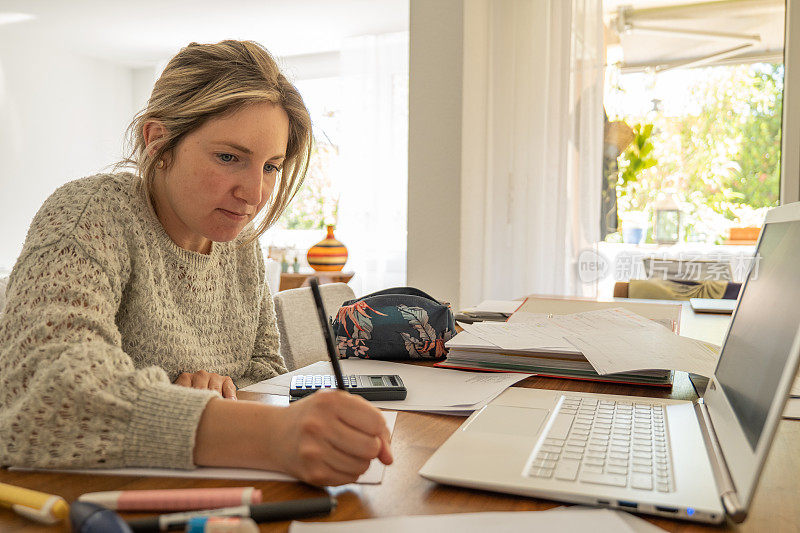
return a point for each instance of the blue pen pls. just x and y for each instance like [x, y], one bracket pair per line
[88, 517]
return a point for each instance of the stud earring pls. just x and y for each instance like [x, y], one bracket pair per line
[160, 163]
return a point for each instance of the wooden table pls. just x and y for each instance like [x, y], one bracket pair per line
[293, 280]
[417, 435]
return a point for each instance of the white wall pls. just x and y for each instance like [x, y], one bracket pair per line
[61, 116]
[434, 148]
[142, 80]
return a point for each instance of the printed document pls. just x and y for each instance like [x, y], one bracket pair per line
[613, 340]
[617, 340]
[429, 389]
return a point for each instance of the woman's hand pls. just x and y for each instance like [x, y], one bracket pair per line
[208, 380]
[330, 437]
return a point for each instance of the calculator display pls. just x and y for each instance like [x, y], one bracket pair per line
[377, 381]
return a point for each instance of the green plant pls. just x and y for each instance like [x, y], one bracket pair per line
[637, 158]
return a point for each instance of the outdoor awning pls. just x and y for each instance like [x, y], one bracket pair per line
[660, 35]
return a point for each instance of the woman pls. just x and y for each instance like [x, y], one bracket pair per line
[139, 301]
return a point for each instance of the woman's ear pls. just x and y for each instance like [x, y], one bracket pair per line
[152, 131]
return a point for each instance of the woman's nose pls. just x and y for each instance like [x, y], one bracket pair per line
[251, 187]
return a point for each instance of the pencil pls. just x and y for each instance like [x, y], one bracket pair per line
[326, 330]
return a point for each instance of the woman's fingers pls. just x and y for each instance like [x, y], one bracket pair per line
[228, 388]
[200, 379]
[354, 442]
[366, 419]
[184, 380]
[344, 462]
[208, 380]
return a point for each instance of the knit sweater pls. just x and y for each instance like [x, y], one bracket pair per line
[103, 312]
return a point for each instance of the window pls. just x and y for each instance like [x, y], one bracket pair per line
[693, 103]
[358, 177]
[707, 139]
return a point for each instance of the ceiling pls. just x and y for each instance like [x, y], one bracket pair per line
[662, 35]
[144, 32]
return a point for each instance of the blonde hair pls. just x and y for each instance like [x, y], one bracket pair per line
[205, 81]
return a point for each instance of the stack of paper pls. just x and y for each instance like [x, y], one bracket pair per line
[539, 344]
[612, 344]
[616, 340]
[429, 389]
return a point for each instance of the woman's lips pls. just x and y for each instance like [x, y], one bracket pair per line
[233, 215]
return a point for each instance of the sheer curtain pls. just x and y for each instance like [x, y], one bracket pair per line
[532, 147]
[373, 172]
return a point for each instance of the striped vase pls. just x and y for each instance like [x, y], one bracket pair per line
[328, 254]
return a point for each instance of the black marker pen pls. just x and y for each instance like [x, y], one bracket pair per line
[262, 512]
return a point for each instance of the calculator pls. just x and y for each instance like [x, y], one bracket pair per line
[371, 387]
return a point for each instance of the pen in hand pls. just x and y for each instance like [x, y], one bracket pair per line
[334, 357]
[326, 331]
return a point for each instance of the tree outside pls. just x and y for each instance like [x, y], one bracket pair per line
[716, 138]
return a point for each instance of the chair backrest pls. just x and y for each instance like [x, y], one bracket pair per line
[302, 342]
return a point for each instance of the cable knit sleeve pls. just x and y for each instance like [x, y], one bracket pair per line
[267, 361]
[69, 395]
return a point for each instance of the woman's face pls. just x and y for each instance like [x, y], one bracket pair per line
[220, 176]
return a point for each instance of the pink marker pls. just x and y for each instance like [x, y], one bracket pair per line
[174, 499]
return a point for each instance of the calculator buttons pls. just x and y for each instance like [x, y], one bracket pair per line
[321, 381]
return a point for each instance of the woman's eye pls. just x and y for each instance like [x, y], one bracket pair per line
[226, 158]
[269, 169]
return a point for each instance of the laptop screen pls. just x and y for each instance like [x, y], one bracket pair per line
[763, 330]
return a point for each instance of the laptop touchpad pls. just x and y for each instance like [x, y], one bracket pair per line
[521, 421]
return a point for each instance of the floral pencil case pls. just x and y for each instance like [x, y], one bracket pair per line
[394, 324]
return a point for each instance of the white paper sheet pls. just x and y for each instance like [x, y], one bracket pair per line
[640, 525]
[792, 409]
[563, 521]
[542, 334]
[663, 312]
[373, 475]
[429, 389]
[616, 340]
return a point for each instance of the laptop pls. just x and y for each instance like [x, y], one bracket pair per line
[697, 461]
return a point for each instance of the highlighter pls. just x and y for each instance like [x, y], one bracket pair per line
[174, 499]
[220, 524]
[38, 506]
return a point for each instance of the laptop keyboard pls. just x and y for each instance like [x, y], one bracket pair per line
[622, 444]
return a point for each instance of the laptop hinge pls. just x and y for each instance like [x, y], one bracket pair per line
[727, 491]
